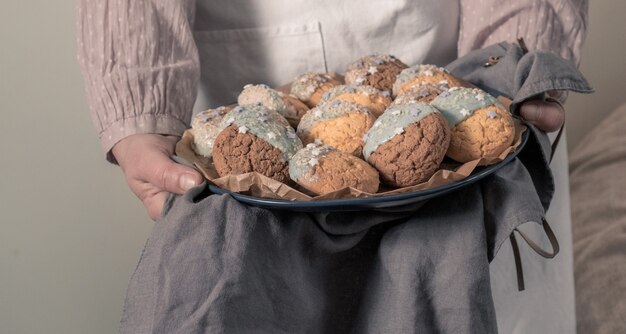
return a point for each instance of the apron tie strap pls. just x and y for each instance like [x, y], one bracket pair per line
[554, 243]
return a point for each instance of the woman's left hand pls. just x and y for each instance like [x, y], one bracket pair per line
[548, 115]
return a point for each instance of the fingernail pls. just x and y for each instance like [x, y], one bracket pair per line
[187, 181]
[530, 112]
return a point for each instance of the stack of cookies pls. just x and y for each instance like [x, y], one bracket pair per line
[387, 123]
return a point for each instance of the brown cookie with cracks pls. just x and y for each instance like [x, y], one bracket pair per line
[324, 169]
[426, 74]
[413, 156]
[422, 93]
[239, 153]
[487, 133]
[310, 87]
[378, 71]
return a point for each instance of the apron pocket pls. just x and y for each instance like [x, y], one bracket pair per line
[274, 56]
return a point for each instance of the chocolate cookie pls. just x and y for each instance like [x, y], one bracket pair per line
[407, 144]
[255, 139]
[324, 169]
[287, 105]
[309, 87]
[426, 75]
[377, 101]
[481, 125]
[378, 71]
[339, 124]
[205, 127]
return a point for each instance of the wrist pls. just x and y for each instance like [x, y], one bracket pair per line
[140, 143]
[112, 133]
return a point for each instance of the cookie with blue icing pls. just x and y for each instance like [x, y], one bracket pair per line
[375, 100]
[378, 71]
[407, 143]
[481, 126]
[310, 87]
[255, 139]
[322, 169]
[337, 123]
[205, 126]
[426, 74]
[285, 104]
[421, 93]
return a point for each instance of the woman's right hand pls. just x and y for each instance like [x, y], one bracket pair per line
[150, 173]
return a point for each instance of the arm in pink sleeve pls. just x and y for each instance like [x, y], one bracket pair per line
[559, 26]
[140, 66]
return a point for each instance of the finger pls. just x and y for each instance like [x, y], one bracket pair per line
[547, 116]
[150, 195]
[154, 204]
[167, 175]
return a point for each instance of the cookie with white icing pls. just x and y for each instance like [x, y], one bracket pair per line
[377, 101]
[287, 105]
[407, 144]
[378, 71]
[309, 87]
[339, 124]
[481, 126]
[426, 74]
[205, 127]
[322, 169]
[255, 139]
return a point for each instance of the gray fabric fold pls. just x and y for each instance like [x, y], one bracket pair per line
[214, 265]
[518, 75]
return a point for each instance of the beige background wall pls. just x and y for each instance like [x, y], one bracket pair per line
[604, 65]
[70, 231]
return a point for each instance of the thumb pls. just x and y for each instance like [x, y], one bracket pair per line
[546, 115]
[174, 177]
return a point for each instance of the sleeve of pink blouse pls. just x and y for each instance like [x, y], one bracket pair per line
[556, 25]
[140, 66]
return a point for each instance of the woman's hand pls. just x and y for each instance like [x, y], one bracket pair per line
[548, 115]
[150, 173]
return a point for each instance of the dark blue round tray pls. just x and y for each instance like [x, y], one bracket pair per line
[374, 202]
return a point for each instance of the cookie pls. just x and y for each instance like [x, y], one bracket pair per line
[339, 124]
[255, 139]
[423, 75]
[407, 144]
[205, 127]
[324, 169]
[287, 105]
[422, 93]
[378, 71]
[377, 101]
[309, 87]
[481, 126]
